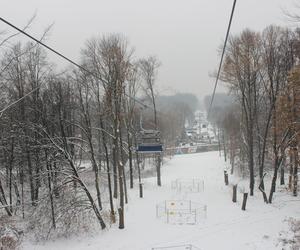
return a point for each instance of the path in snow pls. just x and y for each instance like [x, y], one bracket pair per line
[226, 225]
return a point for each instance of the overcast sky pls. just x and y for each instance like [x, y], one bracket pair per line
[183, 34]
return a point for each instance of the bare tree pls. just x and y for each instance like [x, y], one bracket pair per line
[148, 68]
[277, 61]
[241, 70]
[110, 59]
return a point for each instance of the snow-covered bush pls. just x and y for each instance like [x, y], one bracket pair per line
[291, 239]
[10, 238]
[72, 216]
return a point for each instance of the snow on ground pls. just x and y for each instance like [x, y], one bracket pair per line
[226, 225]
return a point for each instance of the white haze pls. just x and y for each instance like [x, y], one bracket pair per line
[184, 35]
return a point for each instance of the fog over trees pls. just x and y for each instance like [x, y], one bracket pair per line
[68, 138]
[260, 69]
[71, 138]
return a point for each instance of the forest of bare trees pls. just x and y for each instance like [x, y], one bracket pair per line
[260, 131]
[88, 127]
[68, 139]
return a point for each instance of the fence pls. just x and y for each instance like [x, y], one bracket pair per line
[178, 247]
[181, 212]
[196, 148]
[188, 185]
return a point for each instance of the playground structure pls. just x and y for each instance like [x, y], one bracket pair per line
[177, 247]
[188, 185]
[181, 212]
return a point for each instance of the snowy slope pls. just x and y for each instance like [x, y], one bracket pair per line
[226, 225]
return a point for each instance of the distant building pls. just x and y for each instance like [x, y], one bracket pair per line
[200, 129]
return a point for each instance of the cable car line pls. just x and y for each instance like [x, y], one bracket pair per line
[68, 59]
[149, 140]
[222, 57]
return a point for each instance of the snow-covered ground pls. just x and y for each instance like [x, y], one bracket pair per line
[226, 225]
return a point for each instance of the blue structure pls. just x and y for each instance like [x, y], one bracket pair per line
[150, 148]
[149, 142]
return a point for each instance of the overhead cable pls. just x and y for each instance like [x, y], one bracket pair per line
[221, 61]
[66, 58]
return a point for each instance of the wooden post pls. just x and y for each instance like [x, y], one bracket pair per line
[244, 201]
[234, 193]
[121, 217]
[141, 190]
[226, 177]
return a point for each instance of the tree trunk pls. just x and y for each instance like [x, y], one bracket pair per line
[22, 187]
[117, 148]
[295, 172]
[49, 170]
[251, 162]
[37, 176]
[273, 186]
[11, 160]
[111, 203]
[55, 177]
[139, 172]
[158, 169]
[121, 188]
[3, 200]
[115, 174]
[278, 162]
[224, 145]
[123, 166]
[130, 159]
[291, 169]
[232, 157]
[283, 165]
[282, 182]
[96, 170]
[30, 172]
[262, 189]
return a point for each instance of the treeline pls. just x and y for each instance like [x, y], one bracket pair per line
[68, 139]
[181, 107]
[260, 130]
